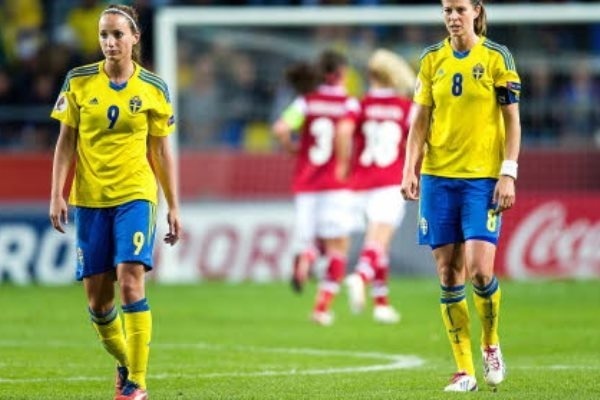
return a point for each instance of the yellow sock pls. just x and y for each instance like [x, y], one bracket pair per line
[138, 328]
[455, 313]
[110, 331]
[487, 303]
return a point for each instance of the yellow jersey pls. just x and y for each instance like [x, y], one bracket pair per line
[113, 123]
[466, 137]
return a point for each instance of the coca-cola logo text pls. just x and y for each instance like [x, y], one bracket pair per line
[547, 243]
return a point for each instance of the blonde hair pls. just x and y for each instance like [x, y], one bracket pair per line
[391, 70]
[481, 21]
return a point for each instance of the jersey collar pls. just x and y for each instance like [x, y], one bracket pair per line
[119, 86]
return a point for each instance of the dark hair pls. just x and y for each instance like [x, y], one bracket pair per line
[303, 77]
[136, 53]
[329, 65]
[481, 20]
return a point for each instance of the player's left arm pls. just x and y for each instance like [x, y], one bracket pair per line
[508, 92]
[161, 123]
[163, 161]
[291, 120]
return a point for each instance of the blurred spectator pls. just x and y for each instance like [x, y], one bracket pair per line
[539, 108]
[241, 100]
[200, 111]
[21, 28]
[83, 21]
[579, 110]
[7, 95]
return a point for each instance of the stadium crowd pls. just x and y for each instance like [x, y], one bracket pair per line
[228, 93]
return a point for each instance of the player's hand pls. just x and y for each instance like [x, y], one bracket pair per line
[410, 187]
[504, 193]
[58, 213]
[174, 233]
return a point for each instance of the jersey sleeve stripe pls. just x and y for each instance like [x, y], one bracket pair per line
[155, 81]
[79, 71]
[431, 49]
[509, 62]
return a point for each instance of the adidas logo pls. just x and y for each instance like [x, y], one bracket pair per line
[94, 101]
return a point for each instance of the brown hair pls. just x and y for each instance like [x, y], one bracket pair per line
[481, 20]
[330, 64]
[134, 24]
[302, 77]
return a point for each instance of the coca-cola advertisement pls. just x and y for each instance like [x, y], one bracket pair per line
[551, 235]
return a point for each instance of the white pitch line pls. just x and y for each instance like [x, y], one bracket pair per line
[558, 367]
[394, 362]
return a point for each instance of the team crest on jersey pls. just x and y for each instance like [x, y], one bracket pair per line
[424, 226]
[135, 103]
[478, 71]
[61, 103]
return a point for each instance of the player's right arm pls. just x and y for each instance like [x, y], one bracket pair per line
[63, 159]
[415, 146]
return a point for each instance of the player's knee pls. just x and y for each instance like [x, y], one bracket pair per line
[480, 277]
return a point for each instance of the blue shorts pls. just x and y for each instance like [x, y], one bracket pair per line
[453, 210]
[107, 237]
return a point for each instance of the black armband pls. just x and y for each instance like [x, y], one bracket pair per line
[508, 95]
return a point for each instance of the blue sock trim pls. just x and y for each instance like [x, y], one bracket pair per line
[103, 318]
[138, 306]
[487, 290]
[452, 288]
[452, 294]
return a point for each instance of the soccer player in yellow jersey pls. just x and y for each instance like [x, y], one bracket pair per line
[111, 113]
[467, 133]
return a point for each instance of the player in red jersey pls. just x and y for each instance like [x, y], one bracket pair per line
[323, 202]
[373, 159]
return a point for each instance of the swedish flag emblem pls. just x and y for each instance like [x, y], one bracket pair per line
[478, 71]
[135, 103]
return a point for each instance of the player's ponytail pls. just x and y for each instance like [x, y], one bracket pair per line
[132, 17]
[481, 20]
[330, 65]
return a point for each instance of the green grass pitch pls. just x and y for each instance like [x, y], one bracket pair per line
[254, 341]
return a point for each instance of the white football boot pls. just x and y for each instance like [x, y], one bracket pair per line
[386, 315]
[461, 382]
[494, 369]
[323, 318]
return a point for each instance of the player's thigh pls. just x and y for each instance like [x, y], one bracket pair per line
[479, 219]
[385, 206]
[135, 228]
[358, 210]
[305, 220]
[94, 241]
[439, 211]
[334, 214]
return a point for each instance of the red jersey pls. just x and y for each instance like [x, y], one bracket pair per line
[379, 140]
[315, 162]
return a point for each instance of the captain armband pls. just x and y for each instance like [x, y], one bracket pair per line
[509, 168]
[508, 94]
